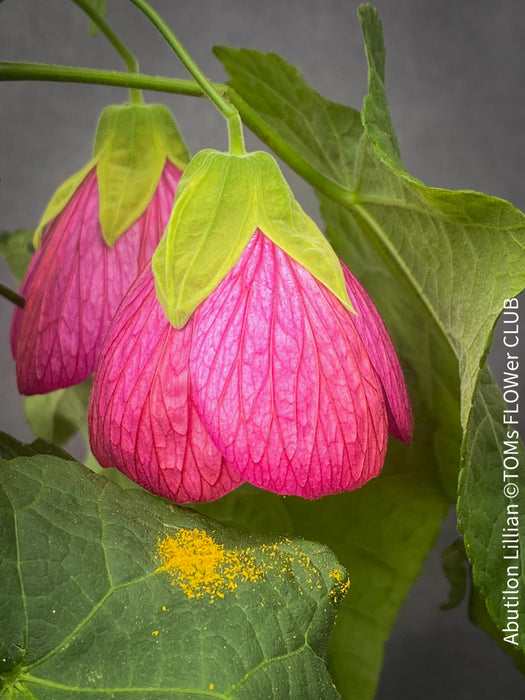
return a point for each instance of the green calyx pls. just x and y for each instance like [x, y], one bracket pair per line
[221, 200]
[132, 145]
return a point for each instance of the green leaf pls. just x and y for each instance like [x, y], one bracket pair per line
[10, 448]
[489, 510]
[211, 223]
[438, 265]
[17, 250]
[454, 268]
[455, 567]
[221, 200]
[58, 415]
[479, 615]
[113, 592]
[323, 133]
[131, 146]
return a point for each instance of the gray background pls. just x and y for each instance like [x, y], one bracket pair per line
[455, 77]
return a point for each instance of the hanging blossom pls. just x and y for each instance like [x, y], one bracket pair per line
[281, 373]
[100, 228]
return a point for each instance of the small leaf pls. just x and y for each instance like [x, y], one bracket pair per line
[281, 219]
[211, 223]
[17, 250]
[114, 592]
[132, 145]
[221, 200]
[58, 415]
[455, 568]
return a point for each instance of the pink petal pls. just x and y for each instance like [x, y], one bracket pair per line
[282, 381]
[383, 357]
[142, 418]
[75, 283]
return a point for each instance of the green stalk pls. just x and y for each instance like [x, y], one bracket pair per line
[12, 70]
[12, 296]
[130, 61]
[228, 111]
[36, 71]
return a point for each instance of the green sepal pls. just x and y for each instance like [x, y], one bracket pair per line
[131, 147]
[60, 199]
[221, 200]
[132, 144]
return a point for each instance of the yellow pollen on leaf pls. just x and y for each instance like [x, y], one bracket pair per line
[343, 584]
[203, 567]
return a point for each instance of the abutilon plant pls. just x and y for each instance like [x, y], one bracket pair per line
[246, 351]
[98, 231]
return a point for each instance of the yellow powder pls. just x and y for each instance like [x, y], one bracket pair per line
[201, 566]
[343, 584]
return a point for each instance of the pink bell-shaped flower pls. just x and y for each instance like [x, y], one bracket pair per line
[271, 381]
[265, 375]
[97, 236]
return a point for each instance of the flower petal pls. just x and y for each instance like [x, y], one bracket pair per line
[383, 357]
[75, 283]
[142, 418]
[282, 380]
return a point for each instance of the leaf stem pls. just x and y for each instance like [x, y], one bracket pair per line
[324, 185]
[12, 296]
[66, 74]
[12, 70]
[225, 107]
[130, 60]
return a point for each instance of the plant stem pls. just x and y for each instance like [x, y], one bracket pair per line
[228, 111]
[37, 71]
[12, 296]
[10, 70]
[129, 59]
[324, 185]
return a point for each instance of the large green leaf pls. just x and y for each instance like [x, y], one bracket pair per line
[113, 592]
[439, 265]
